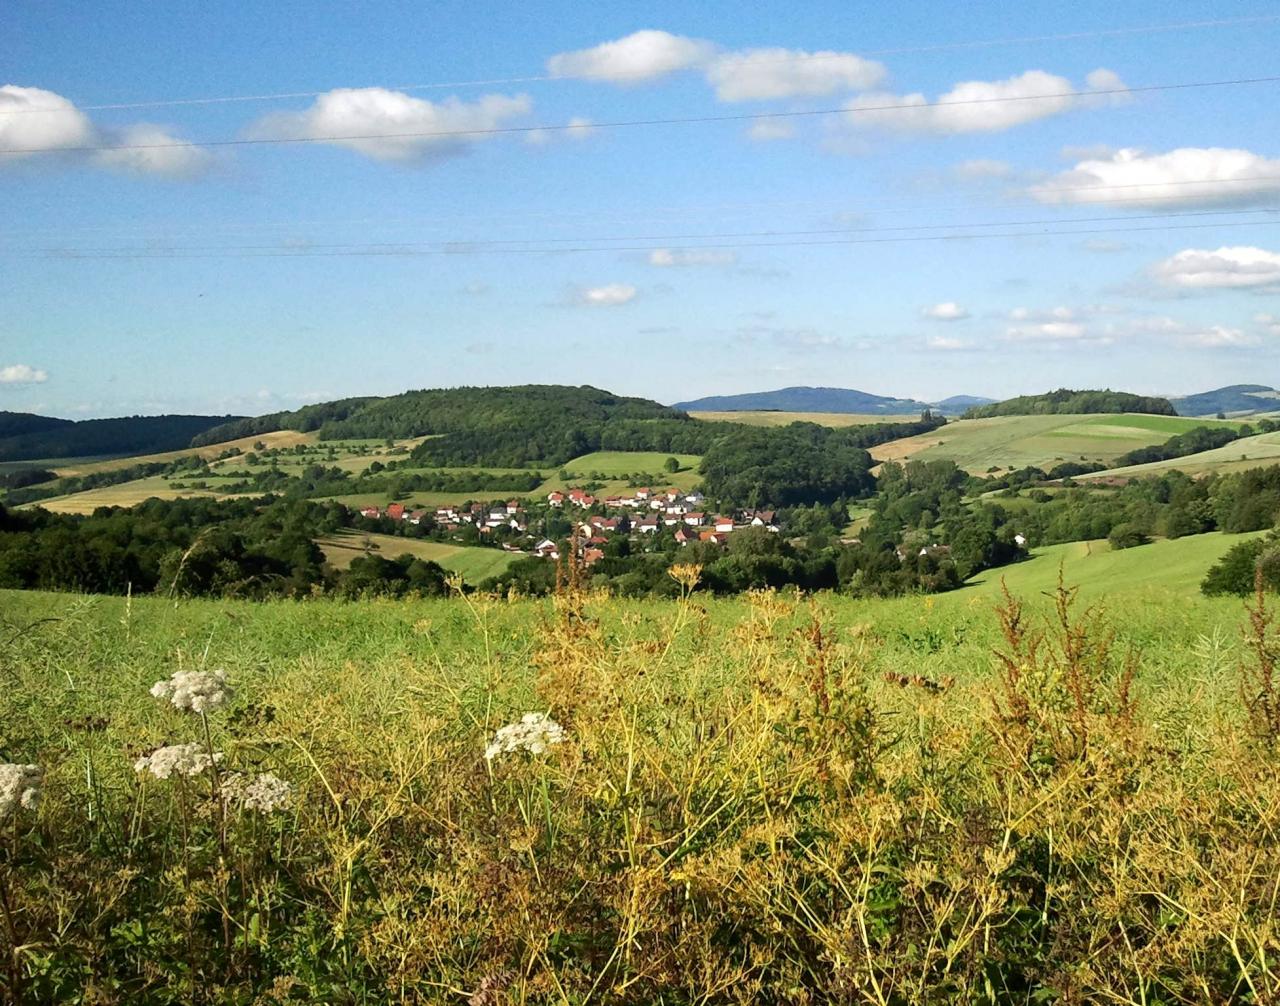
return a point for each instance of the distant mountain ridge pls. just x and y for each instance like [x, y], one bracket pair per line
[1235, 399]
[839, 400]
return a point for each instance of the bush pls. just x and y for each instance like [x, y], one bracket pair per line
[1126, 536]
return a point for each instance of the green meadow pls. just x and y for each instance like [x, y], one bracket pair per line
[978, 445]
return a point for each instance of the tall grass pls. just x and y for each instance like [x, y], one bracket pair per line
[772, 799]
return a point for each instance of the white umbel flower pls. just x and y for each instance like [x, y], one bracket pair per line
[266, 793]
[534, 733]
[19, 787]
[195, 691]
[177, 759]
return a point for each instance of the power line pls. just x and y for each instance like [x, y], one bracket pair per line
[395, 252]
[468, 244]
[685, 210]
[750, 61]
[620, 123]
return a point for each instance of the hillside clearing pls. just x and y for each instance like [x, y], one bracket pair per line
[978, 445]
[1240, 455]
[475, 564]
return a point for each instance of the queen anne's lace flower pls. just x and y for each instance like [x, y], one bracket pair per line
[197, 691]
[19, 787]
[534, 733]
[177, 759]
[266, 793]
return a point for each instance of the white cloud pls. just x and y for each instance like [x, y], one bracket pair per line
[638, 57]
[22, 128]
[948, 310]
[767, 130]
[1188, 176]
[668, 258]
[155, 153]
[947, 343]
[609, 295]
[1226, 268]
[21, 373]
[1220, 337]
[979, 106]
[1087, 152]
[32, 120]
[376, 120]
[1047, 331]
[770, 74]
[1269, 322]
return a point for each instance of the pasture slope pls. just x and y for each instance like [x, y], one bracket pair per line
[979, 445]
[473, 563]
[1258, 451]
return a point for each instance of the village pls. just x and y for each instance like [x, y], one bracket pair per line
[589, 521]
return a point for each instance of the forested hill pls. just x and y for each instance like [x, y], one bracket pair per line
[1066, 402]
[25, 437]
[527, 424]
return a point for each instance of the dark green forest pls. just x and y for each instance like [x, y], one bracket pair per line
[1066, 402]
[24, 437]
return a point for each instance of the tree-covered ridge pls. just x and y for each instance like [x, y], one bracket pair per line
[498, 426]
[304, 420]
[1067, 402]
[803, 463]
[24, 437]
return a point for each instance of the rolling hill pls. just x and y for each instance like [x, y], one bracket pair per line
[1233, 400]
[829, 400]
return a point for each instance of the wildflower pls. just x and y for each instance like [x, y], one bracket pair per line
[19, 787]
[179, 759]
[197, 691]
[266, 793]
[534, 733]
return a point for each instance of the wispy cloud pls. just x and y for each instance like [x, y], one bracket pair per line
[608, 295]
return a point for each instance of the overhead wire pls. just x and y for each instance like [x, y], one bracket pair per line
[739, 60]
[626, 123]
[395, 251]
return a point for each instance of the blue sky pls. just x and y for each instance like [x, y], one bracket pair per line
[668, 260]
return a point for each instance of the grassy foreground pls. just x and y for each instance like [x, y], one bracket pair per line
[757, 800]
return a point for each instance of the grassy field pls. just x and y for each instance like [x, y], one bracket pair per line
[1248, 452]
[752, 418]
[474, 563]
[757, 799]
[827, 782]
[978, 445]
